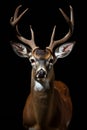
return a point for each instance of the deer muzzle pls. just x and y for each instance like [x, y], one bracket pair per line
[41, 73]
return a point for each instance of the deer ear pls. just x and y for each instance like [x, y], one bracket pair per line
[20, 49]
[64, 50]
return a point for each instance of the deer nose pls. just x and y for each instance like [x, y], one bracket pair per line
[41, 74]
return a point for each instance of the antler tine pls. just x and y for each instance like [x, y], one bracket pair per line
[52, 36]
[69, 21]
[14, 20]
[31, 42]
[68, 35]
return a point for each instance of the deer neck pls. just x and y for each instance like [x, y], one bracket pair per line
[42, 96]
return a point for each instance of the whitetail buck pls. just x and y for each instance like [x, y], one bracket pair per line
[49, 105]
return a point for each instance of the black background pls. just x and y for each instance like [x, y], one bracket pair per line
[15, 71]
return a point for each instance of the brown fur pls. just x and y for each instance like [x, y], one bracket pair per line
[54, 109]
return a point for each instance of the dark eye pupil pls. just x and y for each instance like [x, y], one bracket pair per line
[51, 61]
[32, 60]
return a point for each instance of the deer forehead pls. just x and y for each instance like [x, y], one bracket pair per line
[42, 54]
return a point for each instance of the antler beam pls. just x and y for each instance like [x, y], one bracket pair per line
[68, 35]
[14, 21]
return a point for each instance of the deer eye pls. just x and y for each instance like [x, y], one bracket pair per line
[32, 60]
[51, 61]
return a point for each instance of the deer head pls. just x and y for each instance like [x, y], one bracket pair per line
[42, 61]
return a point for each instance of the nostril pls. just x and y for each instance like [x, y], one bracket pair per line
[41, 74]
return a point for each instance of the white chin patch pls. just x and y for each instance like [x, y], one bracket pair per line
[38, 86]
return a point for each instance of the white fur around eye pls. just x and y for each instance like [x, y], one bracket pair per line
[32, 60]
[50, 62]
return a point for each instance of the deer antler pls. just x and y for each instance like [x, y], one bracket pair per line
[68, 35]
[14, 20]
